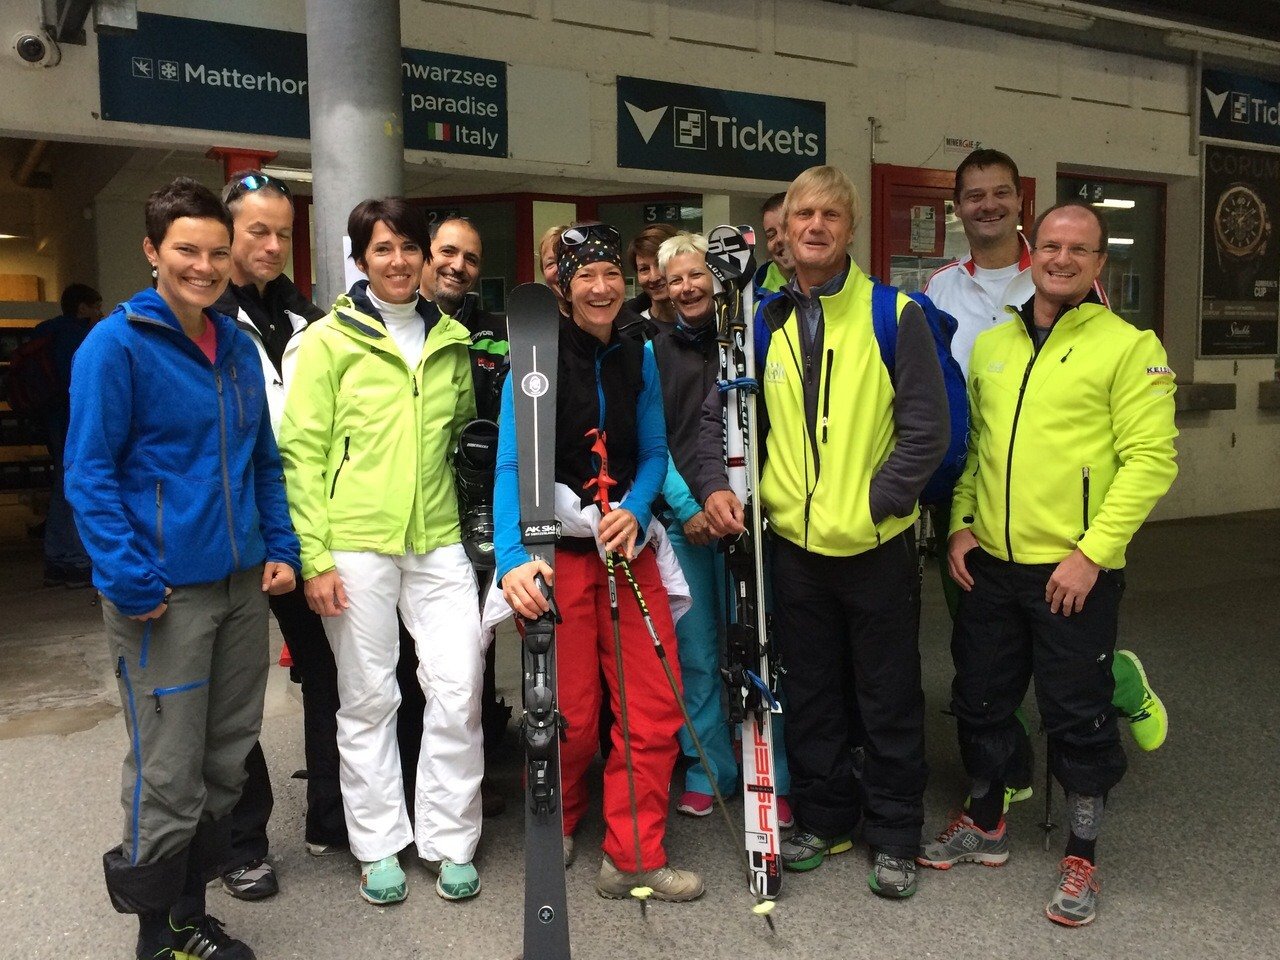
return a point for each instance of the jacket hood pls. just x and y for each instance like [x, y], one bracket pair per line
[359, 318]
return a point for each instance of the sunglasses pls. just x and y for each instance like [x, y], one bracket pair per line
[249, 182]
[576, 236]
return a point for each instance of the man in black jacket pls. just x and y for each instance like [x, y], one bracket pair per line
[271, 310]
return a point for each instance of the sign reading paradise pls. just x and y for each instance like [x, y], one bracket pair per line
[180, 72]
[723, 133]
[1236, 106]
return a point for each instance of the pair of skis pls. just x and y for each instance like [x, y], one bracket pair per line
[749, 670]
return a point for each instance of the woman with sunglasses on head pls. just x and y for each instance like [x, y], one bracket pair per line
[609, 382]
[379, 395]
[174, 477]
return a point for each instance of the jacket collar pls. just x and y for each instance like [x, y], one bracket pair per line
[147, 307]
[357, 316]
[1027, 312]
[1024, 257]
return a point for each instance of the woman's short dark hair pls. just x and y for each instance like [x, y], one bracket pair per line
[648, 240]
[400, 216]
[183, 197]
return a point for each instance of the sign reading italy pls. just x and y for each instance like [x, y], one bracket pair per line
[180, 72]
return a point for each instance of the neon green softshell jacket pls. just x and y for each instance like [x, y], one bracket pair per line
[1097, 397]
[366, 441]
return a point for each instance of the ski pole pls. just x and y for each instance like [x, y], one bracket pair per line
[603, 481]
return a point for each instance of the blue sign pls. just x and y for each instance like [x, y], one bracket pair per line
[179, 72]
[724, 133]
[1236, 106]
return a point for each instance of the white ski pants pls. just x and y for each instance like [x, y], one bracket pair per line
[436, 595]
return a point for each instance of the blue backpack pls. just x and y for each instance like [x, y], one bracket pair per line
[884, 320]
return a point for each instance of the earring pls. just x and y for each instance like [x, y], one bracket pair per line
[155, 274]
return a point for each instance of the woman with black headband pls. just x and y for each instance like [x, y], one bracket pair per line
[608, 382]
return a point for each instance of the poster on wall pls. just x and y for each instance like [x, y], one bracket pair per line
[1240, 291]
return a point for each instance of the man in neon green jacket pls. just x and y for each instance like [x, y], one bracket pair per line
[1070, 448]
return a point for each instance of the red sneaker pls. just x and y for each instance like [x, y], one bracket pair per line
[695, 804]
[786, 819]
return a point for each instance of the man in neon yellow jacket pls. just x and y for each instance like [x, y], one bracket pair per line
[1070, 448]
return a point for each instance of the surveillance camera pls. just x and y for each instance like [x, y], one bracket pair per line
[37, 49]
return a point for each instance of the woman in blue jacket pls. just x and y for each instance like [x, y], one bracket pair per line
[176, 484]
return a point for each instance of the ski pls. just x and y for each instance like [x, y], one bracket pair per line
[533, 321]
[749, 671]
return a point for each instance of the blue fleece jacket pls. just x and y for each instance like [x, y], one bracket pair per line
[651, 469]
[171, 466]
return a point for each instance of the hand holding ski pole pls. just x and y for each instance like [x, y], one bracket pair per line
[618, 527]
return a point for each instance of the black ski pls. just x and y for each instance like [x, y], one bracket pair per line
[749, 672]
[533, 322]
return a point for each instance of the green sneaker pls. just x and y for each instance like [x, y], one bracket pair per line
[383, 882]
[456, 881]
[805, 851]
[1150, 725]
[893, 878]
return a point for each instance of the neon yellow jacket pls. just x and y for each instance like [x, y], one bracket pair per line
[367, 442]
[817, 477]
[1095, 401]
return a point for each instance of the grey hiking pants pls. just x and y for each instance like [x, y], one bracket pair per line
[191, 685]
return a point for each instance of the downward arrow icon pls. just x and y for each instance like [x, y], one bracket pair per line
[646, 120]
[1216, 100]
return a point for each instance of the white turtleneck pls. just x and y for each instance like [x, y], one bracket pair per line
[405, 324]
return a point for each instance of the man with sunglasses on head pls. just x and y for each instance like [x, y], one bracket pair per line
[1070, 447]
[271, 310]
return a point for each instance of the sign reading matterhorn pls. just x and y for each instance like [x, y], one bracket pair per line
[181, 72]
[722, 133]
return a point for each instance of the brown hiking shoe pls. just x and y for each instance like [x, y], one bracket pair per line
[667, 883]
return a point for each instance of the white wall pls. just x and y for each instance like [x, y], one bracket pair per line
[1050, 105]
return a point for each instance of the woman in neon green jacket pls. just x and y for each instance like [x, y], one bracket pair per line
[378, 395]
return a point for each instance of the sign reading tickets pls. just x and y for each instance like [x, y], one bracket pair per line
[1236, 106]
[179, 72]
[724, 133]
[1240, 306]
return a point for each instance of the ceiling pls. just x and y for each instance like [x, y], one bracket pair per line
[1244, 34]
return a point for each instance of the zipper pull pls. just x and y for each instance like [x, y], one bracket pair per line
[157, 696]
[824, 429]
[217, 379]
[1064, 360]
[415, 384]
[119, 666]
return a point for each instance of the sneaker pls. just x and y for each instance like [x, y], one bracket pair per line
[665, 883]
[963, 841]
[893, 878]
[806, 851]
[326, 849]
[256, 880]
[786, 819]
[568, 851]
[1075, 902]
[695, 804]
[383, 882]
[205, 937]
[455, 881]
[1150, 725]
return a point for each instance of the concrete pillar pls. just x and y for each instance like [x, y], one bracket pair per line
[357, 126]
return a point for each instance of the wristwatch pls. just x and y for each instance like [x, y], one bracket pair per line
[1241, 230]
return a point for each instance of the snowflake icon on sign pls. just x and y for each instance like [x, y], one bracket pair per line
[168, 69]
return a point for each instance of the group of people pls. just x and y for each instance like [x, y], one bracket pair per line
[231, 447]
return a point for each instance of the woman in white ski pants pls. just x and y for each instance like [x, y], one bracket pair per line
[376, 400]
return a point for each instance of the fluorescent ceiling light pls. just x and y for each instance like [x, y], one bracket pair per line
[1111, 203]
[287, 173]
[1121, 241]
[1021, 10]
[1260, 51]
[10, 236]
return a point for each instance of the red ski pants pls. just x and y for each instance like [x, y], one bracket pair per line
[584, 649]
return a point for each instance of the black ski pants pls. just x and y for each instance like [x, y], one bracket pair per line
[848, 636]
[1004, 635]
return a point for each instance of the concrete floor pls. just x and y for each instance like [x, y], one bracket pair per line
[1186, 852]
